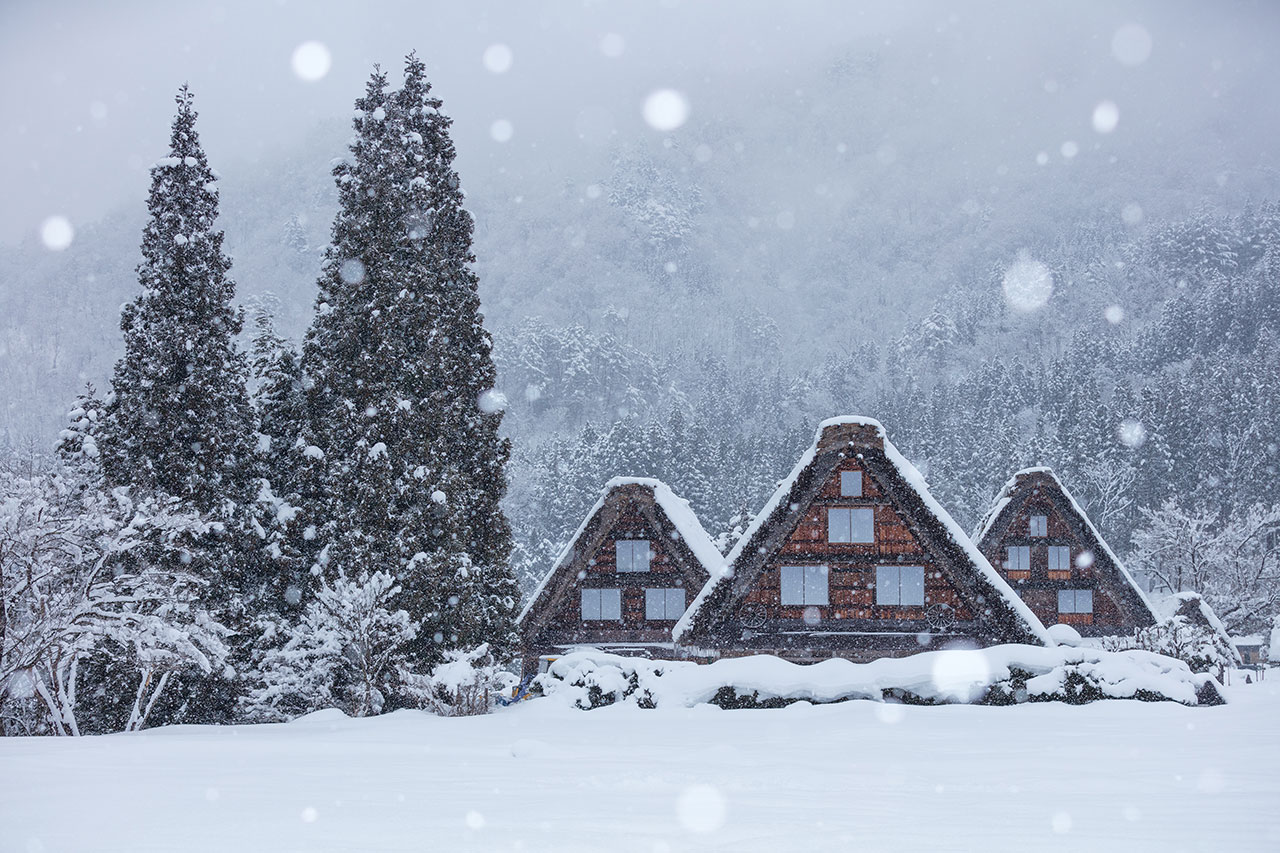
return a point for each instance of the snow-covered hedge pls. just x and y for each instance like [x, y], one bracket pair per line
[1002, 675]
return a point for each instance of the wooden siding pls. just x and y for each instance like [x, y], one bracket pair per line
[1039, 495]
[852, 566]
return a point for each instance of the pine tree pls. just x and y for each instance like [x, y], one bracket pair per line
[400, 374]
[180, 421]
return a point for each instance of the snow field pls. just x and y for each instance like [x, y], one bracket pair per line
[1117, 775]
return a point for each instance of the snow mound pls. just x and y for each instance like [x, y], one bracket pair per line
[1000, 675]
[1064, 635]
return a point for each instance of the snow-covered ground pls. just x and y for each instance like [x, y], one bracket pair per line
[1118, 775]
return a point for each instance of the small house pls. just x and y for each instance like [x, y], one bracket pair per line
[852, 557]
[624, 578]
[1042, 542]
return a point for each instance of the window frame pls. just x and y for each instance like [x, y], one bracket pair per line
[1009, 563]
[598, 593]
[630, 546]
[851, 528]
[1075, 595]
[1057, 550]
[889, 577]
[666, 603]
[847, 476]
[809, 585]
[1043, 526]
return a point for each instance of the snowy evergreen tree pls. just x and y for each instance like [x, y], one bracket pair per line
[180, 420]
[400, 381]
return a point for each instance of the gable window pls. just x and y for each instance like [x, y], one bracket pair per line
[901, 585]
[851, 524]
[1018, 558]
[850, 484]
[1039, 525]
[1059, 562]
[601, 604]
[633, 555]
[804, 585]
[663, 605]
[1075, 601]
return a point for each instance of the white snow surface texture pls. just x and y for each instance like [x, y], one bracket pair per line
[866, 776]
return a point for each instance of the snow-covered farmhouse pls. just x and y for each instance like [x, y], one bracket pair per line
[1050, 552]
[625, 577]
[853, 558]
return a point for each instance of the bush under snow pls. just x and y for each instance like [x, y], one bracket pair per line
[1001, 675]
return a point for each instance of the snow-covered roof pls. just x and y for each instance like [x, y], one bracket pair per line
[677, 511]
[1002, 500]
[912, 476]
[1170, 607]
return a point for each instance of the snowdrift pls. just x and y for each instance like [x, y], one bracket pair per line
[1001, 675]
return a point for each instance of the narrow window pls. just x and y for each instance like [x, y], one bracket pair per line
[803, 585]
[590, 604]
[911, 584]
[1019, 558]
[611, 604]
[839, 525]
[633, 555]
[864, 525]
[850, 484]
[1060, 558]
[1039, 525]
[663, 605]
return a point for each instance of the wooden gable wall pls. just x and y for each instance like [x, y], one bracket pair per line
[1116, 609]
[629, 512]
[851, 566]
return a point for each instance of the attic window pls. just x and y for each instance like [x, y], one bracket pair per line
[633, 555]
[663, 605]
[1019, 558]
[601, 605]
[1075, 601]
[850, 484]
[901, 585]
[804, 585]
[1039, 525]
[851, 524]
[1059, 560]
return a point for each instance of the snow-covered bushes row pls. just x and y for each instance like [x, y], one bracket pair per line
[1002, 675]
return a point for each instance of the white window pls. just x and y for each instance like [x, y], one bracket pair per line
[1019, 558]
[901, 585]
[1059, 558]
[633, 555]
[1039, 525]
[804, 584]
[602, 604]
[849, 524]
[850, 484]
[663, 605]
[1075, 601]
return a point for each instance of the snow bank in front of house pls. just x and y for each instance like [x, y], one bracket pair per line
[1000, 675]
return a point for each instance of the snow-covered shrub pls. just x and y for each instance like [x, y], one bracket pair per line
[345, 651]
[1001, 675]
[465, 685]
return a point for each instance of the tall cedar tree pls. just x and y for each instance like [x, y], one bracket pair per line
[180, 422]
[398, 368]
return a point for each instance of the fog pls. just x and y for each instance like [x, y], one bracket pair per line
[88, 86]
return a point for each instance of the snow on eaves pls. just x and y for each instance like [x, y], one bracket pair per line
[677, 510]
[912, 476]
